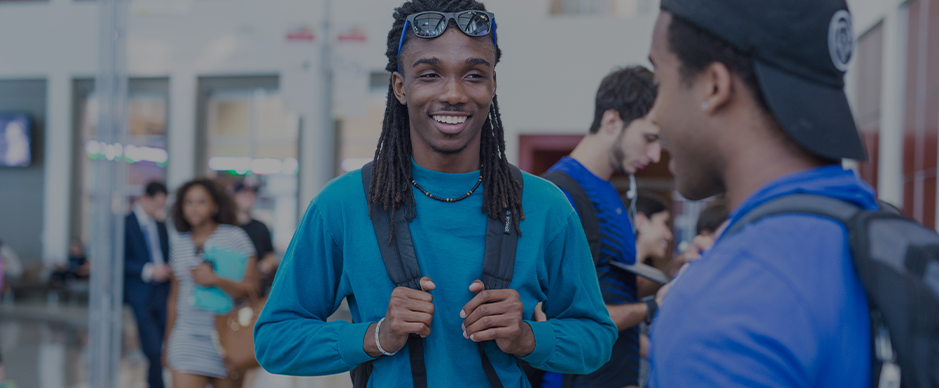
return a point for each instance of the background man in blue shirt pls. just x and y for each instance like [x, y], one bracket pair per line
[441, 162]
[751, 104]
[622, 139]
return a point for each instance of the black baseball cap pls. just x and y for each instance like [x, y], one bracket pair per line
[800, 51]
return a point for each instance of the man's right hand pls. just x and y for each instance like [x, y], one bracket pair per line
[409, 312]
[161, 273]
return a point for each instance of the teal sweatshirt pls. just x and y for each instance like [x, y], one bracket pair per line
[334, 255]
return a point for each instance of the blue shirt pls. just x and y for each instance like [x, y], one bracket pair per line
[777, 304]
[334, 255]
[617, 243]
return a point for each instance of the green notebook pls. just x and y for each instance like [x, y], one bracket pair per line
[228, 264]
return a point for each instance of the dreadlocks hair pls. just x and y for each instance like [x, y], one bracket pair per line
[391, 170]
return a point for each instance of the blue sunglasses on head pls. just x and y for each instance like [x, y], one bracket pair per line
[431, 24]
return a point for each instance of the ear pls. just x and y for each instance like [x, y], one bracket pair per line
[611, 123]
[397, 84]
[641, 220]
[495, 84]
[717, 87]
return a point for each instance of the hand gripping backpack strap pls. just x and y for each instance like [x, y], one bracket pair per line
[585, 209]
[401, 264]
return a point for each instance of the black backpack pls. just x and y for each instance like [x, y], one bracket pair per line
[591, 224]
[897, 260]
[401, 264]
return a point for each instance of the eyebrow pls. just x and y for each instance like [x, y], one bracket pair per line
[478, 61]
[428, 61]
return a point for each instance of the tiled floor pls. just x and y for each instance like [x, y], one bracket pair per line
[46, 347]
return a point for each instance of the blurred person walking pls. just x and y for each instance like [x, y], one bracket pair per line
[147, 274]
[204, 216]
[751, 104]
[443, 202]
[245, 196]
[622, 138]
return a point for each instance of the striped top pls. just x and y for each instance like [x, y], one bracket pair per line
[190, 346]
[617, 243]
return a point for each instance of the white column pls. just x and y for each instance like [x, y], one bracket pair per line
[57, 164]
[181, 134]
[890, 166]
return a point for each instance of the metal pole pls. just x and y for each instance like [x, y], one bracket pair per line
[108, 199]
[328, 123]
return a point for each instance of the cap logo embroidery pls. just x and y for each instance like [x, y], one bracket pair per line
[841, 40]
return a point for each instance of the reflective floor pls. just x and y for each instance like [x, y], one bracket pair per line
[45, 347]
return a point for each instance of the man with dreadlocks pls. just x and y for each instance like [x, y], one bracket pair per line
[441, 166]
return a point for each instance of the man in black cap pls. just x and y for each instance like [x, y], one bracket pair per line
[751, 104]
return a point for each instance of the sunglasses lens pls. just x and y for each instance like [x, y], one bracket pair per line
[474, 23]
[429, 25]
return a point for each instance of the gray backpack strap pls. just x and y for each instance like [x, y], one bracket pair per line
[798, 203]
[398, 253]
[501, 243]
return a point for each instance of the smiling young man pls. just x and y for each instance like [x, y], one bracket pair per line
[751, 104]
[440, 168]
[622, 139]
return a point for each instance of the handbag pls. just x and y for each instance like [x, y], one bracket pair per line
[234, 335]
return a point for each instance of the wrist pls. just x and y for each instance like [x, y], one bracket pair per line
[526, 341]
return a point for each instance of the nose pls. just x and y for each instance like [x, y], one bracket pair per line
[655, 152]
[453, 92]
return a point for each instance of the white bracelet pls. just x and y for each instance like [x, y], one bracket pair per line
[377, 343]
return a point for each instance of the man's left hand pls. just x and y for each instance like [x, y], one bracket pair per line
[497, 315]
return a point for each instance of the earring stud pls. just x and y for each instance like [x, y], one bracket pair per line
[705, 106]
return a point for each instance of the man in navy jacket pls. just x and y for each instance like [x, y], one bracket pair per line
[751, 103]
[147, 273]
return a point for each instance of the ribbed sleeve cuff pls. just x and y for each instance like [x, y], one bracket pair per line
[545, 341]
[351, 338]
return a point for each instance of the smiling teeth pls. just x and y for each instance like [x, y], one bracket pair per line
[450, 119]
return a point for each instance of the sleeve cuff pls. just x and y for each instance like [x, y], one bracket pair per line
[351, 338]
[147, 273]
[545, 341]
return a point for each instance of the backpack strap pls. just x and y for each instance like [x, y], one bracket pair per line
[400, 260]
[820, 205]
[591, 224]
[588, 215]
[501, 242]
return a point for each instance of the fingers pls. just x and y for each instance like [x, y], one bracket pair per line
[496, 333]
[501, 315]
[407, 293]
[427, 284]
[410, 322]
[487, 296]
[477, 286]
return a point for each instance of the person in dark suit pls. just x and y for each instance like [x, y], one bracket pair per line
[147, 274]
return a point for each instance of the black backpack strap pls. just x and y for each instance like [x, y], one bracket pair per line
[499, 264]
[588, 215]
[400, 260]
[799, 203]
[501, 242]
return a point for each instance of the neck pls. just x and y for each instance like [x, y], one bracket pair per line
[204, 229]
[593, 153]
[244, 216]
[753, 165]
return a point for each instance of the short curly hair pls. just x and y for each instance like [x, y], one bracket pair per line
[221, 198]
[630, 91]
